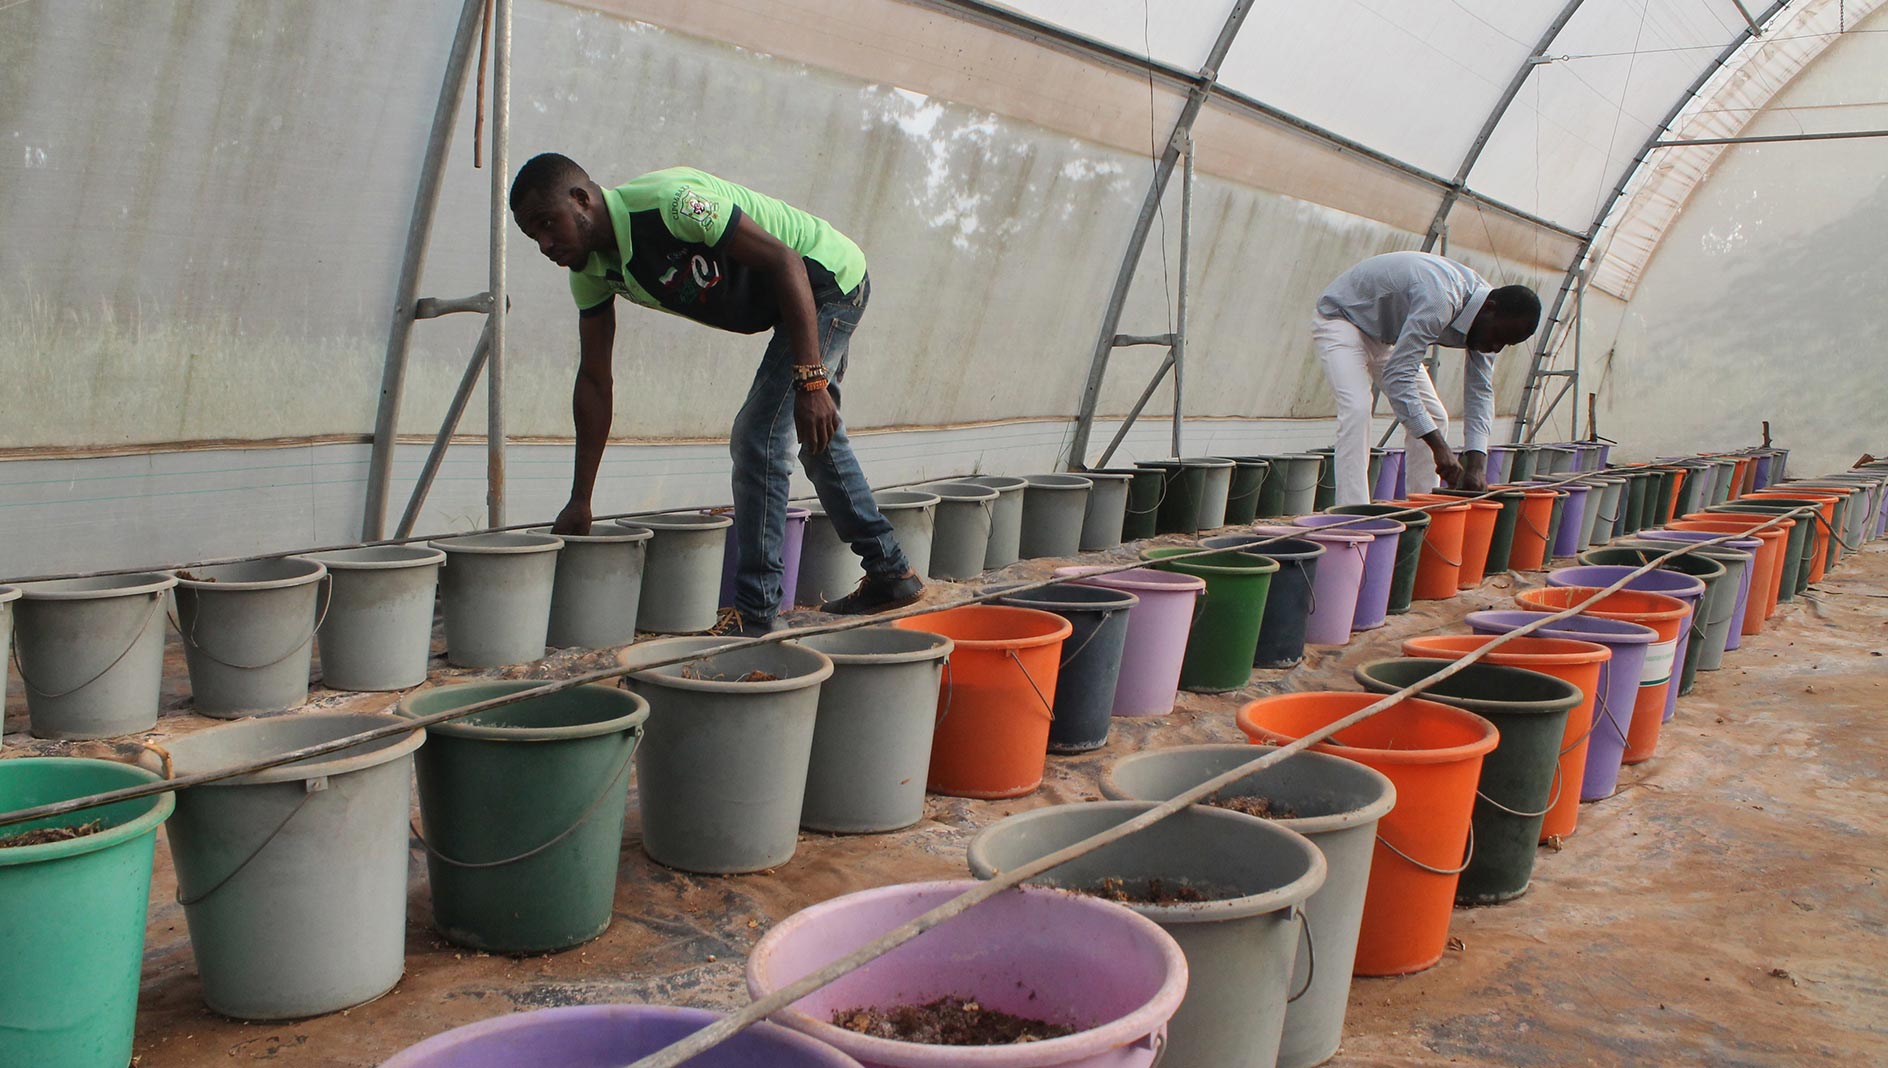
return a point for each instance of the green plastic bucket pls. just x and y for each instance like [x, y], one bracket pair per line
[523, 811]
[1225, 632]
[72, 915]
[1183, 488]
[1248, 482]
[1409, 546]
[1145, 494]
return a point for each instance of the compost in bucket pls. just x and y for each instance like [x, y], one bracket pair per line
[951, 1021]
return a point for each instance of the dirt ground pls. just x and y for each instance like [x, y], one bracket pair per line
[1725, 908]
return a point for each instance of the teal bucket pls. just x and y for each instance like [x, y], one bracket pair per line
[523, 807]
[72, 915]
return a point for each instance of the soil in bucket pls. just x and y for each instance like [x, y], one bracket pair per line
[721, 771]
[1113, 976]
[1578, 663]
[997, 700]
[74, 916]
[377, 632]
[1335, 803]
[1225, 635]
[872, 739]
[1666, 615]
[1439, 570]
[1226, 886]
[1090, 663]
[610, 1036]
[1409, 548]
[293, 879]
[1520, 779]
[90, 653]
[1433, 754]
[1156, 640]
[522, 808]
[1287, 615]
[948, 1022]
[248, 633]
[1478, 534]
[496, 594]
[1618, 686]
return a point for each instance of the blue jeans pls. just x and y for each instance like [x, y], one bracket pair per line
[761, 444]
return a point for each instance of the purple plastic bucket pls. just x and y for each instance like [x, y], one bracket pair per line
[1762, 478]
[789, 556]
[1036, 952]
[1618, 685]
[1373, 597]
[1670, 583]
[1568, 539]
[610, 1036]
[1742, 545]
[1338, 583]
[1389, 477]
[1500, 463]
[1157, 634]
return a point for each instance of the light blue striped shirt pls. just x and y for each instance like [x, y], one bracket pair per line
[1412, 300]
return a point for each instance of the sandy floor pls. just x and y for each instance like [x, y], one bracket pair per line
[1725, 908]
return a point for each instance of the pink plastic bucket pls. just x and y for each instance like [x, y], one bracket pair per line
[1339, 579]
[1157, 634]
[1373, 596]
[1045, 954]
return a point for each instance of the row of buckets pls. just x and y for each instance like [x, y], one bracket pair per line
[523, 806]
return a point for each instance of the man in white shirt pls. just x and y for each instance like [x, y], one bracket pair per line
[1374, 325]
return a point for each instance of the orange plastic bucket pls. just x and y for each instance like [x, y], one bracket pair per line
[994, 707]
[1433, 753]
[1740, 477]
[1666, 615]
[1530, 530]
[1767, 570]
[1478, 533]
[1572, 661]
[1439, 568]
[1820, 558]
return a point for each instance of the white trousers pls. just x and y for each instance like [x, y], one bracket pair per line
[1354, 362]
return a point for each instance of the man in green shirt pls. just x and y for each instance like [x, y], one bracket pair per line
[685, 242]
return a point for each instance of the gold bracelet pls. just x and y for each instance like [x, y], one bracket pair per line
[803, 372]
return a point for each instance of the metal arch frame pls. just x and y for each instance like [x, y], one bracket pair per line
[1526, 424]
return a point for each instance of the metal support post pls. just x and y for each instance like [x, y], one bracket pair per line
[1202, 87]
[501, 221]
[1179, 350]
[425, 198]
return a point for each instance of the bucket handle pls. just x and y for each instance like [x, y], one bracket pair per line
[1311, 587]
[1254, 491]
[1158, 498]
[1047, 705]
[310, 787]
[1467, 855]
[1531, 529]
[1439, 556]
[190, 637]
[1157, 1041]
[1551, 801]
[1606, 711]
[1106, 614]
[1311, 953]
[950, 692]
[589, 811]
[157, 600]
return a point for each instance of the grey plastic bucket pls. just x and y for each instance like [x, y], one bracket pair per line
[1239, 949]
[495, 592]
[249, 632]
[598, 589]
[1338, 803]
[872, 737]
[91, 653]
[1603, 509]
[913, 516]
[376, 630]
[8, 594]
[721, 775]
[1298, 473]
[681, 574]
[1107, 509]
[1054, 508]
[1215, 491]
[828, 567]
[1006, 519]
[293, 879]
[960, 535]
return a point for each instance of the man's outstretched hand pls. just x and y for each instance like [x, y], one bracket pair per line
[1474, 475]
[1448, 468]
[817, 419]
[574, 519]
